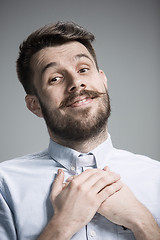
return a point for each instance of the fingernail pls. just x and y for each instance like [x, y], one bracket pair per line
[106, 168]
[59, 171]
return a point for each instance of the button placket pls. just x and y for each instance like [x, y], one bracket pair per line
[92, 233]
[91, 230]
[73, 168]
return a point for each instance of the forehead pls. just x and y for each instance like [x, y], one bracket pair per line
[59, 54]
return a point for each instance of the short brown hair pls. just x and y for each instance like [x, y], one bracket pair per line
[48, 36]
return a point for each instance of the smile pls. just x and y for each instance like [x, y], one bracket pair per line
[81, 102]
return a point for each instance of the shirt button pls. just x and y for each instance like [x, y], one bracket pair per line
[73, 168]
[93, 233]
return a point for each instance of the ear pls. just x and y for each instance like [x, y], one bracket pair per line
[104, 78]
[33, 105]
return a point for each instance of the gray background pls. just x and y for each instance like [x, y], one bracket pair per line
[128, 49]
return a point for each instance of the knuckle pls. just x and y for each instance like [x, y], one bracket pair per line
[76, 186]
[119, 185]
[113, 177]
[116, 175]
[103, 180]
[80, 188]
[73, 183]
[100, 173]
[110, 190]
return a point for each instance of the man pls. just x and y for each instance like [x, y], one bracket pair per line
[80, 187]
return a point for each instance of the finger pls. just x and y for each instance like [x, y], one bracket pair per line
[70, 179]
[94, 180]
[58, 184]
[106, 179]
[65, 185]
[110, 190]
[84, 176]
[106, 168]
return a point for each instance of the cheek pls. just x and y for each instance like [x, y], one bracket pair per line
[97, 80]
[100, 85]
[103, 84]
[53, 99]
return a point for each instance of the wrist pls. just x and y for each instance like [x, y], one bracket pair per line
[56, 230]
[63, 231]
[144, 226]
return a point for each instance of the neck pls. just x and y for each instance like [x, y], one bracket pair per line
[82, 146]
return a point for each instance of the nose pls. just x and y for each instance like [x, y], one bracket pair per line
[76, 83]
[75, 88]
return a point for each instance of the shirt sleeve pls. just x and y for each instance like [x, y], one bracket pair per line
[7, 227]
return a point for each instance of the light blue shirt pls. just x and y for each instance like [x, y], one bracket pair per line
[25, 185]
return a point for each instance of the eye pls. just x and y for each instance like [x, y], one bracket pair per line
[83, 70]
[55, 80]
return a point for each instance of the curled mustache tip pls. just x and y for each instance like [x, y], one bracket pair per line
[86, 93]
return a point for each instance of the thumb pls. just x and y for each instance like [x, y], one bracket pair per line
[58, 184]
[106, 168]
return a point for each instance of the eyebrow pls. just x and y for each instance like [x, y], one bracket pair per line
[81, 55]
[49, 65]
[53, 64]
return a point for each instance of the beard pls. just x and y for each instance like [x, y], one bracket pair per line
[80, 125]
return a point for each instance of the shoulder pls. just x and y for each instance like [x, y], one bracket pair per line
[132, 163]
[16, 173]
[136, 158]
[26, 158]
[24, 163]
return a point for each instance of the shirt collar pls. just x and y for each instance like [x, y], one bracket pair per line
[68, 157]
[103, 152]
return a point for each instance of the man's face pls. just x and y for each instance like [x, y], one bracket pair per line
[71, 91]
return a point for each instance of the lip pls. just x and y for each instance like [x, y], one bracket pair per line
[80, 101]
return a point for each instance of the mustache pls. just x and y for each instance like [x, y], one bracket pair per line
[87, 93]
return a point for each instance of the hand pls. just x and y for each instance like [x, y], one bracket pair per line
[76, 203]
[121, 207]
[124, 209]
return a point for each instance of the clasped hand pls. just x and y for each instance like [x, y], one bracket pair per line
[77, 201]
